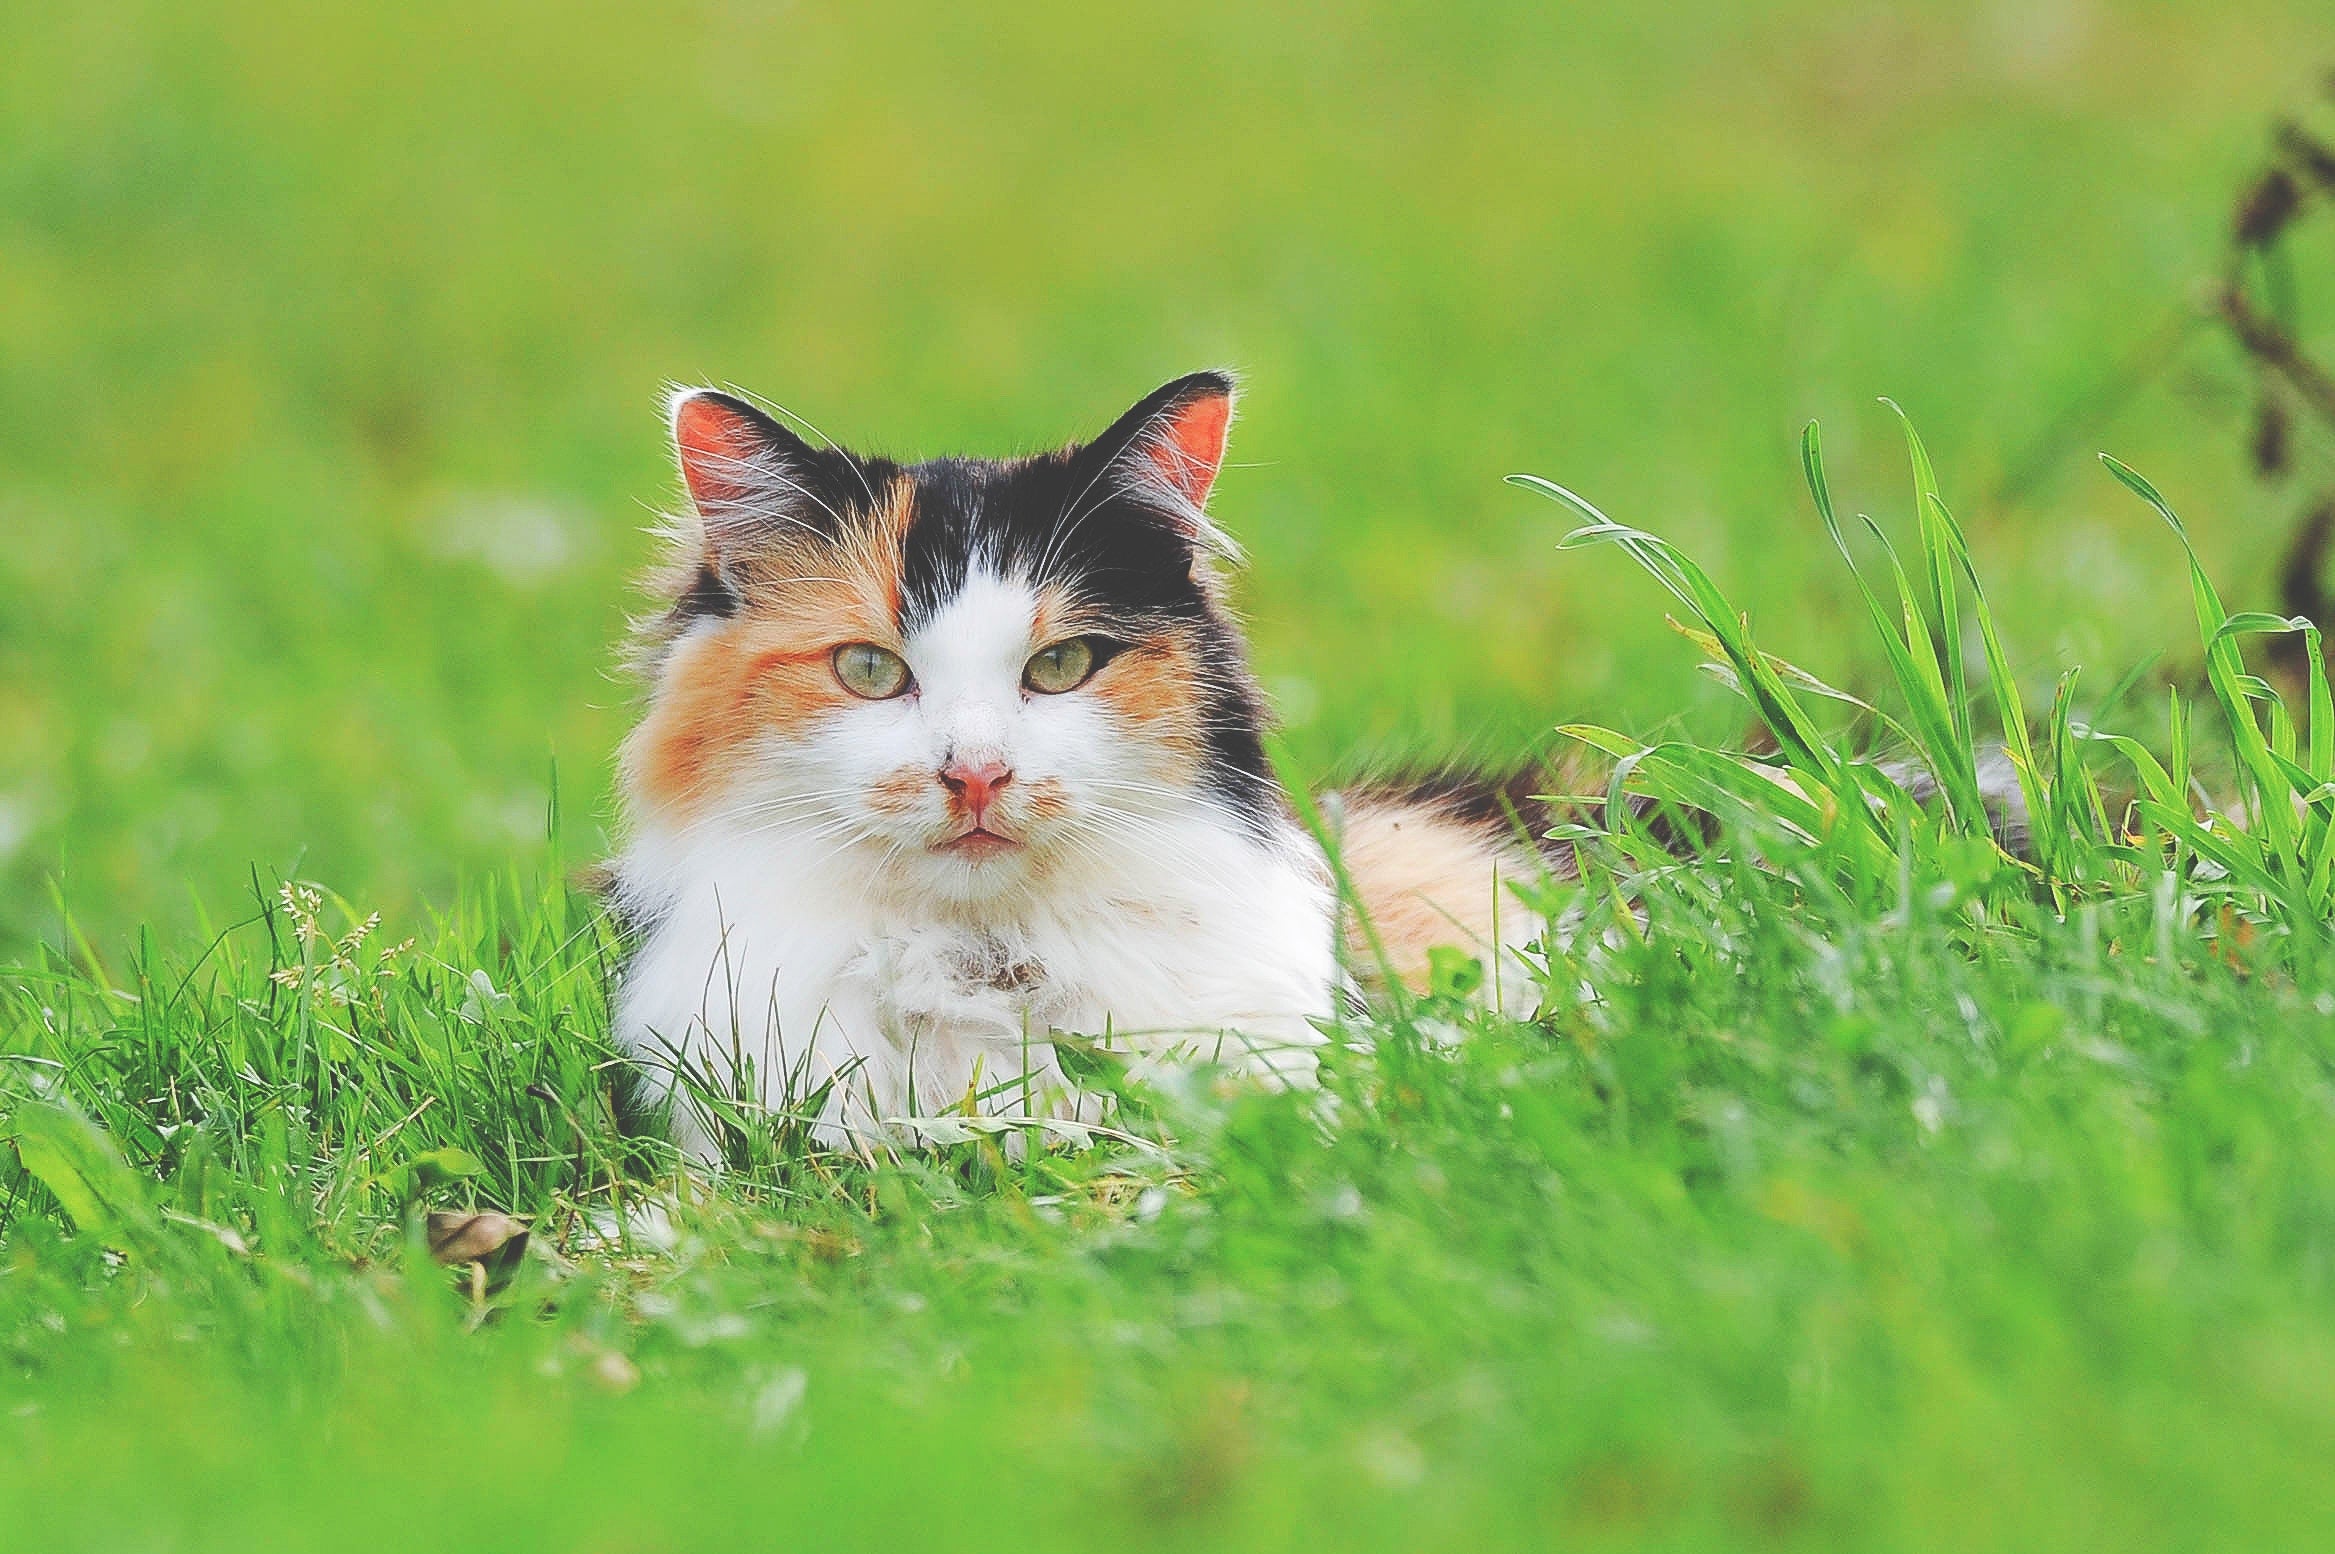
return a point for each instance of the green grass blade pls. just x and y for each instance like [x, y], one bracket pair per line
[1803, 743]
[1938, 566]
[2322, 707]
[1912, 659]
[2225, 671]
[2005, 685]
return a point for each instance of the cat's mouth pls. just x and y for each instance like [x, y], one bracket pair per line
[979, 842]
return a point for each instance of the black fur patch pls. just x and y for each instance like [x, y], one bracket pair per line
[1073, 519]
[708, 596]
[1516, 804]
[1509, 803]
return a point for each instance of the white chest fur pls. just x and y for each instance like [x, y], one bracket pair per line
[773, 972]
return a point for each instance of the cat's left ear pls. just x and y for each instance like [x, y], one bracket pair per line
[1167, 450]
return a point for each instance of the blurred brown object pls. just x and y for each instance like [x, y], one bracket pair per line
[485, 1246]
[2255, 305]
[2267, 208]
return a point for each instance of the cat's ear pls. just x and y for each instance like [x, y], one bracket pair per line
[748, 476]
[1166, 451]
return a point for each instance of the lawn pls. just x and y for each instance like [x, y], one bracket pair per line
[1858, 1188]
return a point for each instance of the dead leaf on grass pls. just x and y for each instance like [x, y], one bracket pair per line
[490, 1244]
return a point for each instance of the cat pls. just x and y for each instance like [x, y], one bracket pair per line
[942, 760]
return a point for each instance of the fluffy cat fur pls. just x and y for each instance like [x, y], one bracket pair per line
[942, 759]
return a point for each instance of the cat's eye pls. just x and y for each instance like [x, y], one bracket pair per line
[1062, 667]
[869, 671]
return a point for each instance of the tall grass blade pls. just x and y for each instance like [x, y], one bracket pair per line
[1938, 565]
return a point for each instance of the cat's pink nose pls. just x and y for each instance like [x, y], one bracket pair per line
[976, 782]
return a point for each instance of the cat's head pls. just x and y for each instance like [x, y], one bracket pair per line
[969, 674]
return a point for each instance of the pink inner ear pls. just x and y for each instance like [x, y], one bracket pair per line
[715, 446]
[1191, 447]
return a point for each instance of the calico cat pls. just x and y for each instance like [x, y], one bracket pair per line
[942, 759]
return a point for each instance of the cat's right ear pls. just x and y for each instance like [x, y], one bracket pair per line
[748, 476]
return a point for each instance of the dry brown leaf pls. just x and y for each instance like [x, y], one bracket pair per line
[490, 1243]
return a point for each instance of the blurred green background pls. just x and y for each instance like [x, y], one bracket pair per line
[331, 343]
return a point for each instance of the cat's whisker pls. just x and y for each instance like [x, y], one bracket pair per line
[797, 831]
[794, 800]
[1137, 834]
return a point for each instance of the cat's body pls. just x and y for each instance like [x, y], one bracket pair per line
[941, 760]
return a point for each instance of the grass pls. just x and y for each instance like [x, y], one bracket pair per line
[331, 341]
[1861, 1185]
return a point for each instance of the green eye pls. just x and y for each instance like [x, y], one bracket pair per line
[1062, 667]
[870, 671]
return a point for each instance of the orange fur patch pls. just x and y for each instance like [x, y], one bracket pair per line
[769, 668]
[1153, 689]
[900, 793]
[882, 543]
[1047, 799]
[1152, 686]
[1424, 879]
